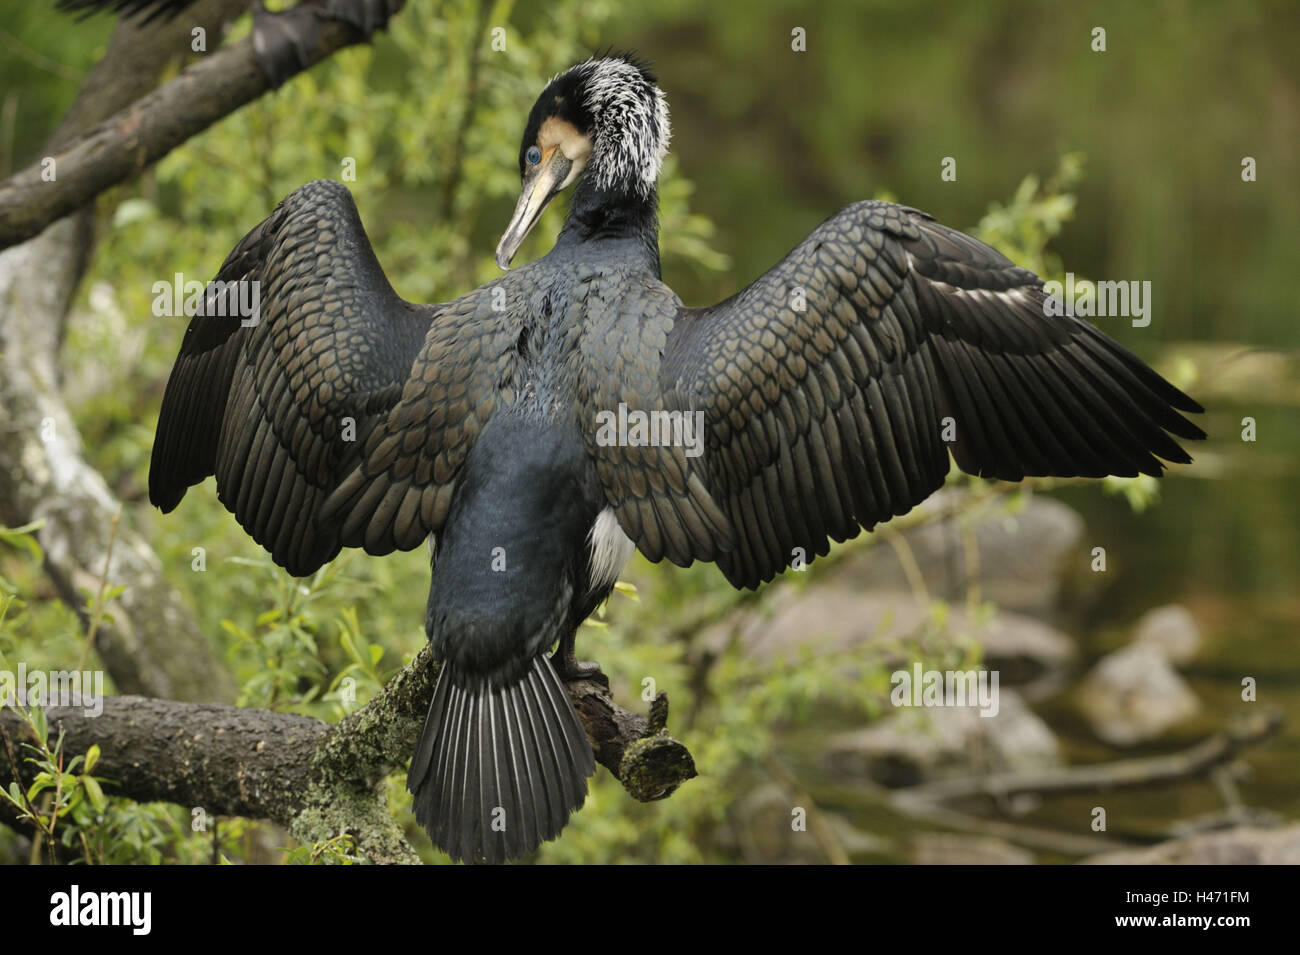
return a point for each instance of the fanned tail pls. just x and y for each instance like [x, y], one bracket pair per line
[498, 769]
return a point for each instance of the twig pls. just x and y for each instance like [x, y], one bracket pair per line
[971, 554]
[1043, 839]
[36, 59]
[907, 560]
[98, 613]
[821, 830]
[116, 150]
[930, 801]
[1122, 774]
[455, 168]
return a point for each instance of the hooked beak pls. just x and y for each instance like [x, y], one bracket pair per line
[541, 184]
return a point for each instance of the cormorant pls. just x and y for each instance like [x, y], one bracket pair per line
[281, 39]
[344, 416]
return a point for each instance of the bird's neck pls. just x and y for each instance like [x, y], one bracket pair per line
[614, 216]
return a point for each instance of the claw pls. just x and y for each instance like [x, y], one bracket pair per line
[567, 664]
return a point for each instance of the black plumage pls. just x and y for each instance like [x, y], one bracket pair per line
[146, 11]
[344, 416]
[831, 418]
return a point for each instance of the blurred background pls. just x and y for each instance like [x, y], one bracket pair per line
[1121, 165]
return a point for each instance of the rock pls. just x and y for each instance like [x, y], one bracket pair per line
[1134, 695]
[919, 743]
[824, 619]
[1023, 558]
[1247, 846]
[946, 848]
[1172, 630]
[1022, 648]
[827, 619]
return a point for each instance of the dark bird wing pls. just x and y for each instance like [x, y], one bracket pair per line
[343, 415]
[365, 15]
[149, 9]
[827, 385]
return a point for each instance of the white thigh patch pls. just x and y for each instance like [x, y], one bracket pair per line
[611, 549]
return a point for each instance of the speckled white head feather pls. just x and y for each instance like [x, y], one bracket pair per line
[631, 119]
[603, 121]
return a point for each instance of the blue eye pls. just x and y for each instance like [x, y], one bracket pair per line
[534, 155]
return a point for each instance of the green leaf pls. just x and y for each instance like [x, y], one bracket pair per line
[350, 648]
[235, 630]
[42, 782]
[22, 538]
[95, 794]
[269, 616]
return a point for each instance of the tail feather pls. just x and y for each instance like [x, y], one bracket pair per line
[498, 769]
[534, 777]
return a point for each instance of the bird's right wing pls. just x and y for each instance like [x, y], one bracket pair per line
[342, 415]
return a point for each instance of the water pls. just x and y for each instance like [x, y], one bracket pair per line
[1222, 541]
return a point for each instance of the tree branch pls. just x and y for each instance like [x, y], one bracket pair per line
[114, 129]
[152, 645]
[117, 149]
[933, 802]
[316, 779]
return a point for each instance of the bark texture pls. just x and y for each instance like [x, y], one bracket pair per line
[315, 779]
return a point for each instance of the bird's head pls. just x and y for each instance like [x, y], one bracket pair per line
[604, 120]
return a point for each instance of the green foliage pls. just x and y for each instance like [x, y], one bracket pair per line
[341, 850]
[1037, 212]
[72, 813]
[57, 789]
[42, 632]
[282, 643]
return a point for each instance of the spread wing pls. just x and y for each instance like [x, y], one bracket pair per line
[341, 416]
[834, 387]
[149, 9]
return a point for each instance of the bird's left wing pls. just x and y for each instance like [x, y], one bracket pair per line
[834, 387]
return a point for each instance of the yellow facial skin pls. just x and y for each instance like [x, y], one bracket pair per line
[565, 152]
